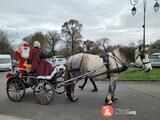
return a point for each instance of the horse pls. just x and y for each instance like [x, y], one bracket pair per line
[119, 60]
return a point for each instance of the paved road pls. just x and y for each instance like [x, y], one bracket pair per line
[143, 97]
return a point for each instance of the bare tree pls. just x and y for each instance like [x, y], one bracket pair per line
[131, 44]
[139, 42]
[5, 42]
[154, 47]
[52, 39]
[104, 42]
[38, 36]
[89, 44]
[71, 30]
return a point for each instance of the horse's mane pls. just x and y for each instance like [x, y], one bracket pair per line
[127, 52]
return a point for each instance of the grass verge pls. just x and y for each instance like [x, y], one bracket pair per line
[134, 74]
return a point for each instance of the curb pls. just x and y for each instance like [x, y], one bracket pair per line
[9, 117]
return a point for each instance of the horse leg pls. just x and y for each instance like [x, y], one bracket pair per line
[94, 85]
[70, 92]
[85, 81]
[69, 88]
[111, 90]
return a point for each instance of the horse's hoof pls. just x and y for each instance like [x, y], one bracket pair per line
[94, 90]
[74, 99]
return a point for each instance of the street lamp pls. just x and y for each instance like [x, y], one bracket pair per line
[156, 6]
[134, 10]
[134, 3]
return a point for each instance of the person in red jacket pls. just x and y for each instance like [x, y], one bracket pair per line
[40, 66]
[22, 54]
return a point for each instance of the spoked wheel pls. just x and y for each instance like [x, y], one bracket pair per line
[60, 89]
[15, 90]
[43, 92]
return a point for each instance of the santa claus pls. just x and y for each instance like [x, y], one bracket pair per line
[22, 54]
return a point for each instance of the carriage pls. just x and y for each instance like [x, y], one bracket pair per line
[44, 87]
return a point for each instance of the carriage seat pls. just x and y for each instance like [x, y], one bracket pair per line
[56, 70]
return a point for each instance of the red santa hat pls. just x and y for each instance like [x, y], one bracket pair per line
[25, 45]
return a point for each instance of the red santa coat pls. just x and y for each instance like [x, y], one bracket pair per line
[40, 67]
[22, 54]
[21, 61]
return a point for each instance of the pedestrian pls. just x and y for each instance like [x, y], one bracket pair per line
[92, 81]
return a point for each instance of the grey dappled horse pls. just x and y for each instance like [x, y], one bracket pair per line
[119, 59]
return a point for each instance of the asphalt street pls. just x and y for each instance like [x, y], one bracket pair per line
[142, 97]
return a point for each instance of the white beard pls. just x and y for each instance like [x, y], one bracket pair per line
[25, 53]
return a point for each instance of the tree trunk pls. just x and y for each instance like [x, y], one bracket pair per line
[72, 46]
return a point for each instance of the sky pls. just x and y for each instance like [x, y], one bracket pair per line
[100, 18]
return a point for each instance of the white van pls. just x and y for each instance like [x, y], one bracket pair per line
[5, 62]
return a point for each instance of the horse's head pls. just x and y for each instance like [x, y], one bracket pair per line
[142, 59]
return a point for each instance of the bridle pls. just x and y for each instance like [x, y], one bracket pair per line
[142, 56]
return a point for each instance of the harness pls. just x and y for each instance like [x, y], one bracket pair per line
[71, 70]
[119, 69]
[117, 60]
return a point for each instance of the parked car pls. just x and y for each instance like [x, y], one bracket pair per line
[59, 61]
[5, 62]
[155, 59]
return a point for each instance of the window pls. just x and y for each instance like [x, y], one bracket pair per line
[4, 60]
[155, 56]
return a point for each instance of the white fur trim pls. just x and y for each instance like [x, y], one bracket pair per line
[49, 76]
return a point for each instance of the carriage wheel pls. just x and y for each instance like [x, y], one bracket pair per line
[60, 90]
[43, 92]
[15, 90]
